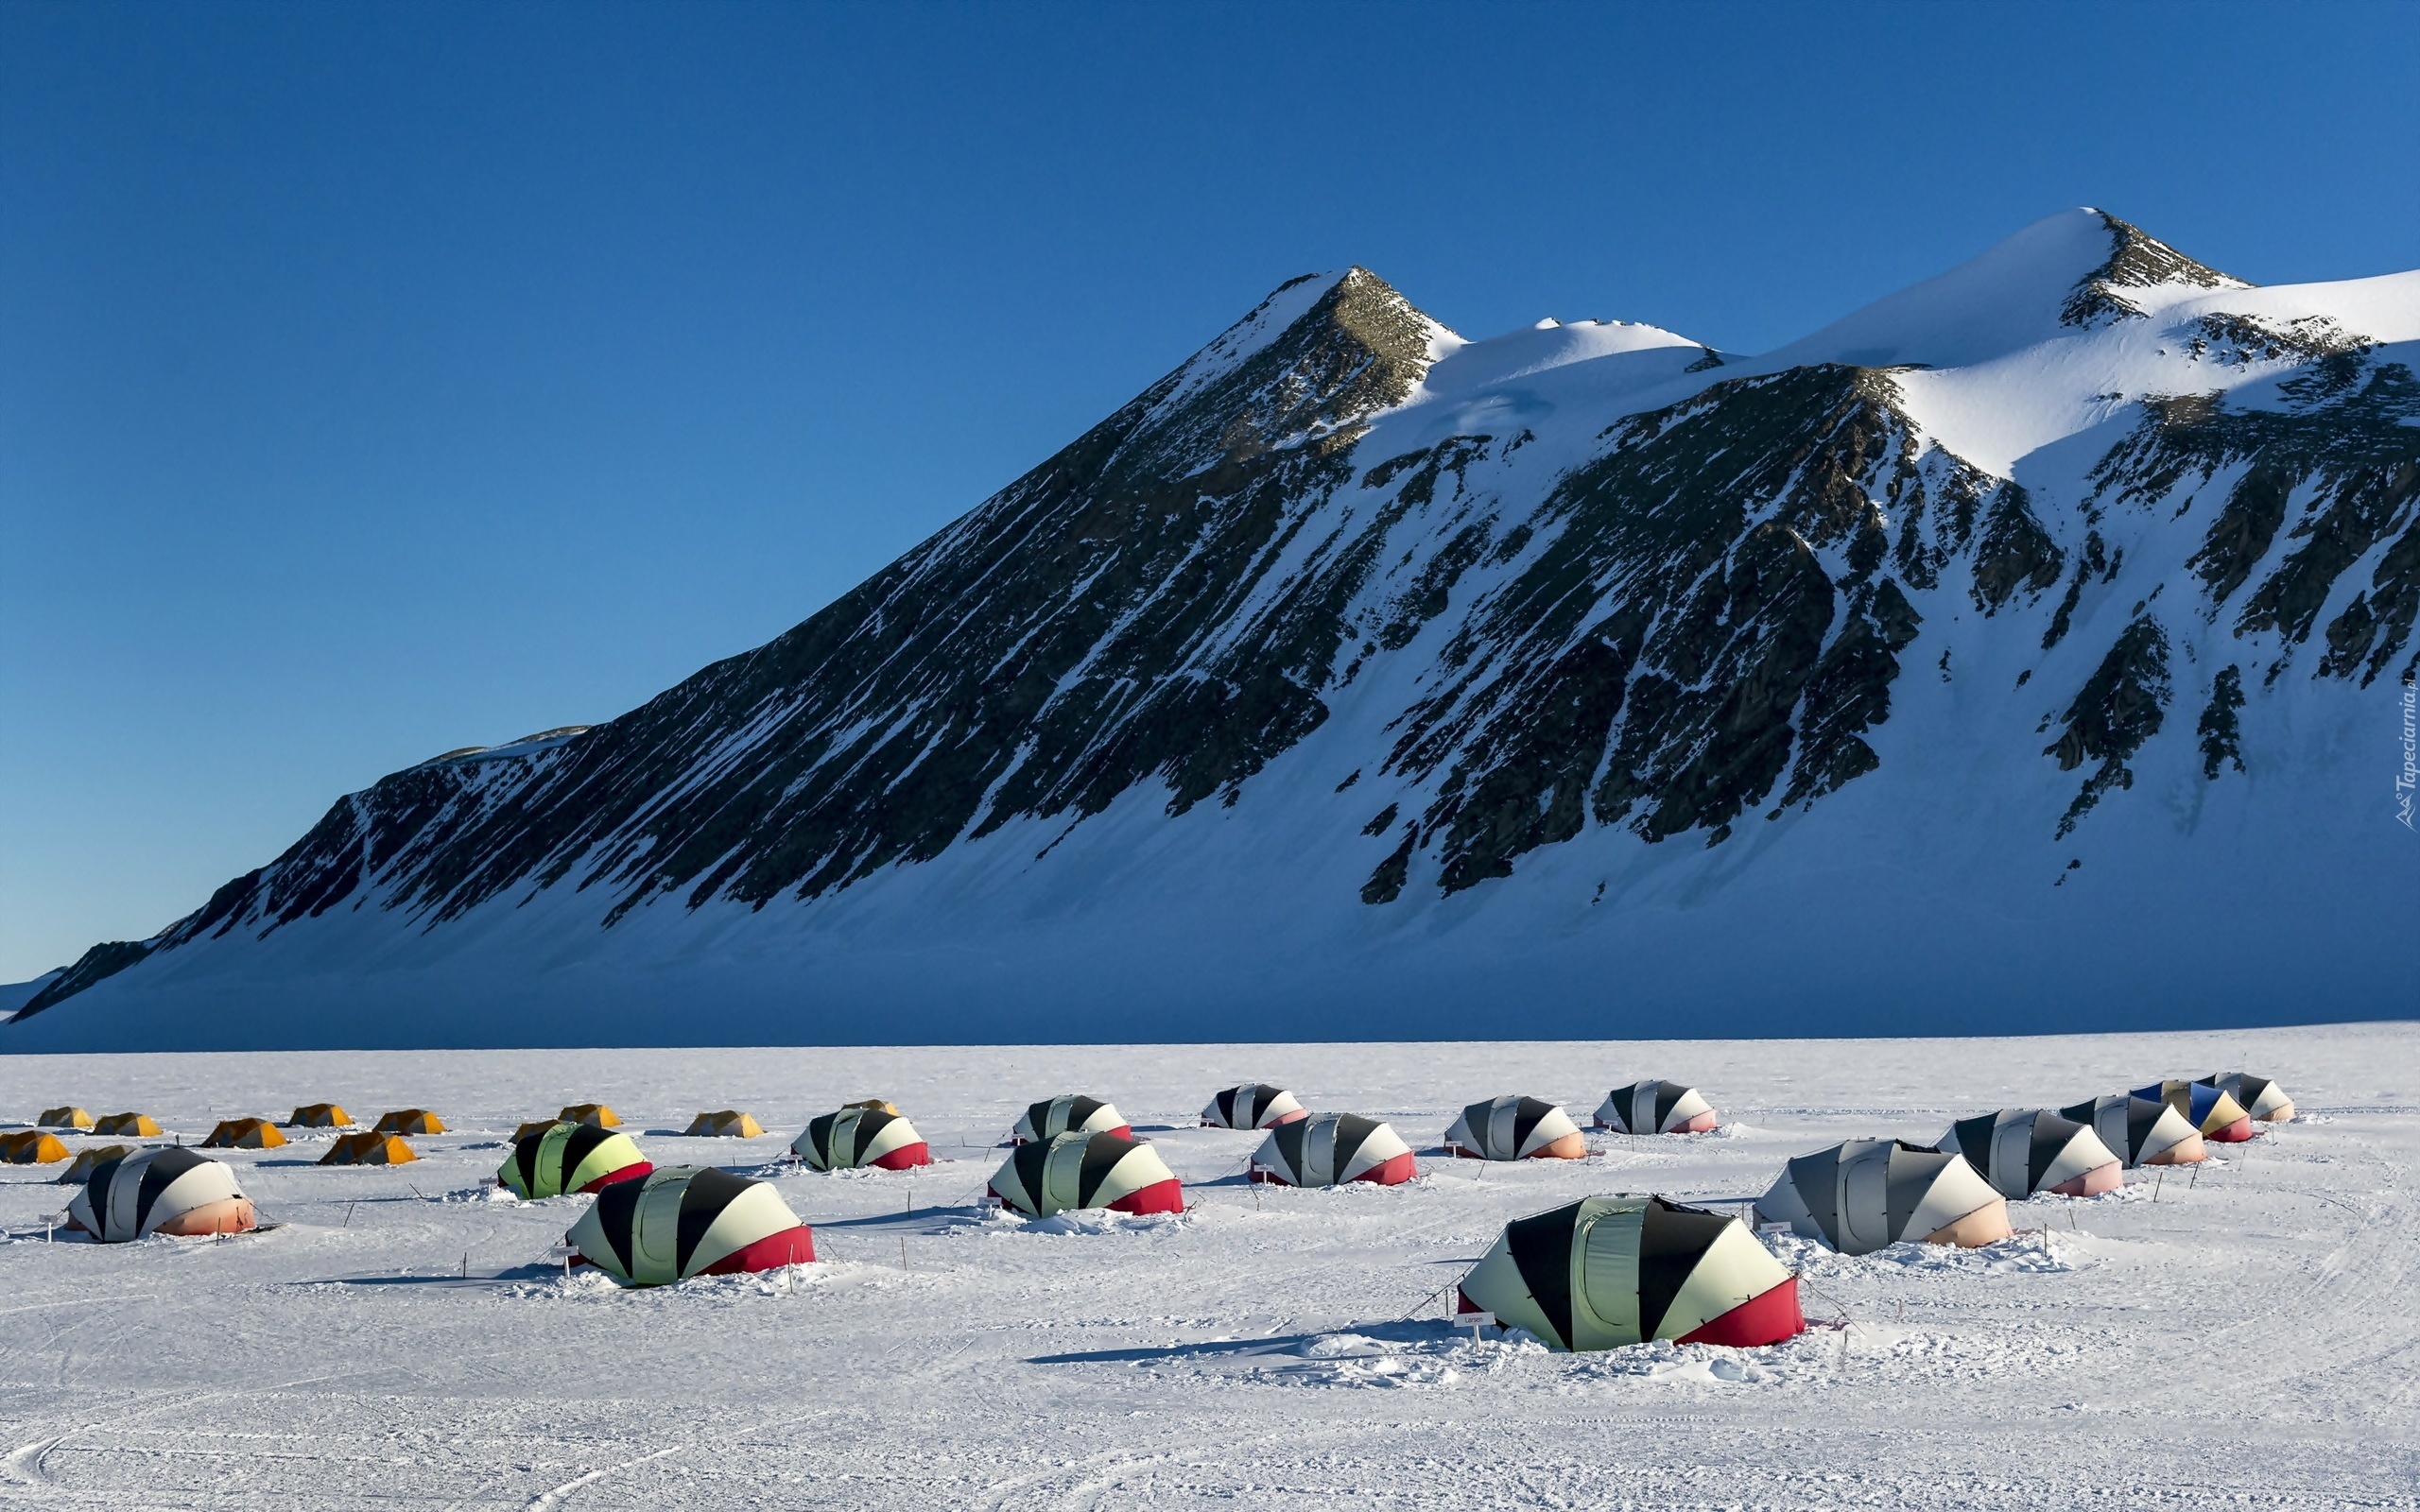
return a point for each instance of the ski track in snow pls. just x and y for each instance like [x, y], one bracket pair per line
[2244, 1337]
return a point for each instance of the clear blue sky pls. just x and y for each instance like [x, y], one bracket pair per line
[377, 379]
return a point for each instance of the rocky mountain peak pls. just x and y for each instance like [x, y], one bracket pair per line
[2138, 260]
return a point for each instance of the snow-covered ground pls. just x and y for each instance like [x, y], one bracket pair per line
[2247, 1337]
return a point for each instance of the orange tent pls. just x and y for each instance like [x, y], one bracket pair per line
[728, 1123]
[31, 1147]
[89, 1157]
[596, 1114]
[369, 1149]
[137, 1125]
[320, 1115]
[409, 1121]
[536, 1125]
[244, 1134]
[65, 1118]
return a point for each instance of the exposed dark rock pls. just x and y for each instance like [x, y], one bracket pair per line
[2120, 706]
[2220, 727]
[2016, 552]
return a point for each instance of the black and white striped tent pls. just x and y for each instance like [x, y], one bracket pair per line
[1656, 1107]
[1069, 1172]
[2143, 1132]
[679, 1221]
[2023, 1151]
[1329, 1150]
[859, 1135]
[173, 1191]
[1068, 1113]
[1254, 1105]
[563, 1157]
[1515, 1129]
[1862, 1194]
[2263, 1099]
[1604, 1272]
[2209, 1109]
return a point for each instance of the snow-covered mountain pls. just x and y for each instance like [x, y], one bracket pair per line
[2028, 650]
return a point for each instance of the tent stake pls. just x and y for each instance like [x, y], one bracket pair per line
[903, 1251]
[2156, 1180]
[348, 1214]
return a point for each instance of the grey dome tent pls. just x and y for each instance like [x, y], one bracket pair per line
[1862, 1194]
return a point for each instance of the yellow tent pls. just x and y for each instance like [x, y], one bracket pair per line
[409, 1121]
[244, 1134]
[137, 1125]
[89, 1157]
[728, 1123]
[65, 1118]
[596, 1114]
[536, 1125]
[875, 1104]
[369, 1149]
[320, 1115]
[31, 1147]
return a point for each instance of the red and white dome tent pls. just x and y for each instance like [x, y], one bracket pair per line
[1254, 1105]
[1330, 1149]
[2209, 1109]
[1863, 1195]
[1656, 1107]
[160, 1192]
[2025, 1151]
[680, 1221]
[870, 1133]
[2143, 1132]
[2261, 1098]
[1067, 1113]
[1604, 1272]
[1515, 1129]
[1070, 1172]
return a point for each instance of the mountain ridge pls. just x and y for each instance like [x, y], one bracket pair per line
[1617, 586]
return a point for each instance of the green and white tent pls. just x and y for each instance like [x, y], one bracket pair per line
[1604, 1272]
[1068, 1113]
[680, 1221]
[1069, 1172]
[564, 1156]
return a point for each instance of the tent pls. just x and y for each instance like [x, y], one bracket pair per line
[2142, 1131]
[1656, 1107]
[861, 1134]
[244, 1134]
[31, 1146]
[128, 1125]
[89, 1157]
[2215, 1113]
[1074, 1170]
[679, 1221]
[561, 1157]
[409, 1121]
[320, 1115]
[1254, 1105]
[65, 1118]
[2261, 1098]
[1515, 1129]
[1067, 1114]
[2024, 1151]
[596, 1114]
[160, 1192]
[1603, 1272]
[1862, 1194]
[729, 1124]
[370, 1148]
[1329, 1150]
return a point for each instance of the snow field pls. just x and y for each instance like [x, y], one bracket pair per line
[402, 1339]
